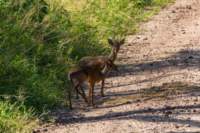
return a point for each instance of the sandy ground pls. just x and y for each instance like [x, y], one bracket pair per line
[158, 87]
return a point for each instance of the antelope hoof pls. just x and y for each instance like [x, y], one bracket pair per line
[94, 106]
[70, 107]
[91, 104]
[102, 94]
[77, 97]
[88, 104]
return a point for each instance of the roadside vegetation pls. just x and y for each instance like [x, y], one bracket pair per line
[41, 39]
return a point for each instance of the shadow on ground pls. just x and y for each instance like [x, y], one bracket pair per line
[185, 59]
[181, 60]
[164, 92]
[148, 115]
[164, 114]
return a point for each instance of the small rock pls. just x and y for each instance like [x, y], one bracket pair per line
[194, 110]
[151, 64]
[138, 100]
[190, 57]
[36, 131]
[129, 44]
[149, 109]
[145, 38]
[196, 100]
[189, 7]
[45, 130]
[177, 126]
[168, 112]
[128, 102]
[188, 125]
[110, 111]
[173, 11]
[138, 37]
[153, 119]
[168, 107]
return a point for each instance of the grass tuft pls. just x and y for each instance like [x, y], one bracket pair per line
[16, 118]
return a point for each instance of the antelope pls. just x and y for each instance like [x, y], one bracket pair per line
[99, 62]
[92, 75]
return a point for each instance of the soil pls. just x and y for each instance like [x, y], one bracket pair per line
[158, 87]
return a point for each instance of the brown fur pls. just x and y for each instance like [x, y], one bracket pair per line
[79, 75]
[90, 69]
[98, 62]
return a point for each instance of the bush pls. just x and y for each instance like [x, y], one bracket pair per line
[28, 61]
[39, 44]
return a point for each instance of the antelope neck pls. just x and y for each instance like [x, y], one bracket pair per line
[105, 70]
[112, 55]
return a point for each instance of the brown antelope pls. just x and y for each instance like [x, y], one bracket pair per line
[99, 62]
[91, 75]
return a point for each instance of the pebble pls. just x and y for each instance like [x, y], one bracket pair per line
[173, 11]
[36, 131]
[145, 38]
[177, 126]
[189, 7]
[188, 125]
[45, 130]
[168, 112]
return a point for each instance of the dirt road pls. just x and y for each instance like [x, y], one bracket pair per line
[158, 87]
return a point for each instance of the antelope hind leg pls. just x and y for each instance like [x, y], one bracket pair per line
[102, 88]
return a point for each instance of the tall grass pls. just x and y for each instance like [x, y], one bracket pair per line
[41, 39]
[113, 17]
[16, 118]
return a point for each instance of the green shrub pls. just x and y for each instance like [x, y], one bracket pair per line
[38, 45]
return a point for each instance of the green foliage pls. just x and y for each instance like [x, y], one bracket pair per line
[113, 17]
[28, 61]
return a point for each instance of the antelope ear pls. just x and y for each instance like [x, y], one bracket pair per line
[122, 41]
[110, 41]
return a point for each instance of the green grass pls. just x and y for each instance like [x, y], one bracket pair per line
[15, 118]
[42, 39]
[114, 17]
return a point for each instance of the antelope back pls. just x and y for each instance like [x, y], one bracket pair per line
[93, 63]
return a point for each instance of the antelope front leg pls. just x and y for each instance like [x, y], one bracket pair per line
[102, 88]
[69, 98]
[77, 97]
[82, 94]
[91, 94]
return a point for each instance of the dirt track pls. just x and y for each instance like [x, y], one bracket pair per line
[158, 87]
